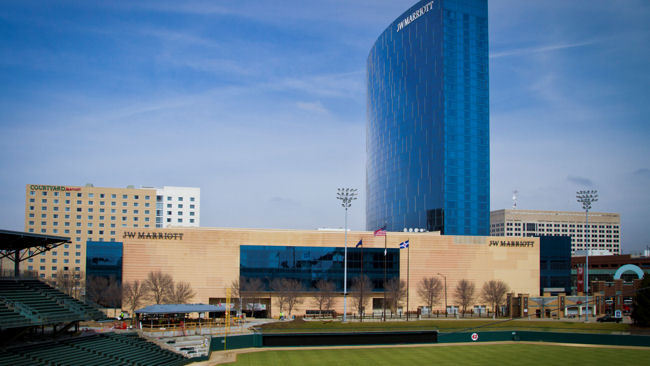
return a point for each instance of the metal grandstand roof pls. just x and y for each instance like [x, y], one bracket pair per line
[179, 309]
[14, 244]
[12, 240]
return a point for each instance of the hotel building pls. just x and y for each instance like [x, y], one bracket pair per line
[603, 233]
[428, 153]
[89, 214]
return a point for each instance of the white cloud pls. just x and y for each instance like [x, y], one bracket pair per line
[312, 107]
[524, 51]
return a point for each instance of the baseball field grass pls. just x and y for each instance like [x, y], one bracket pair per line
[477, 354]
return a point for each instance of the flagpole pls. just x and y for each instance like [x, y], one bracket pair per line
[408, 276]
[362, 283]
[385, 255]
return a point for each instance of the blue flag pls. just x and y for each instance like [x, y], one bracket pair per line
[404, 244]
[360, 243]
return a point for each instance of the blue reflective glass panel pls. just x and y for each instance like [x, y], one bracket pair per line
[311, 264]
[104, 259]
[428, 121]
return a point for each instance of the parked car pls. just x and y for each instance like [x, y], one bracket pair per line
[608, 318]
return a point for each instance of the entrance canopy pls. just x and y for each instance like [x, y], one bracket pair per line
[14, 245]
[179, 309]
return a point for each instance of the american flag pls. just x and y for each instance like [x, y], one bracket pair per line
[381, 231]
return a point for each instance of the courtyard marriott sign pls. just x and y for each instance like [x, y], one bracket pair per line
[416, 14]
[152, 236]
[37, 187]
[512, 243]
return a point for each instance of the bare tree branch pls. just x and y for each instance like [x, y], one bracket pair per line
[324, 295]
[159, 285]
[429, 290]
[287, 293]
[494, 292]
[182, 293]
[69, 283]
[395, 292]
[465, 293]
[133, 293]
[360, 291]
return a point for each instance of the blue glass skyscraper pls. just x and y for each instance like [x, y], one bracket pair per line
[428, 121]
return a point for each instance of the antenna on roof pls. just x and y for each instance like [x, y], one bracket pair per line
[514, 199]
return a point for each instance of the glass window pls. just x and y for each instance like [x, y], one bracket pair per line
[310, 264]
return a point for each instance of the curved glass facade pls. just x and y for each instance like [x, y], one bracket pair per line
[428, 121]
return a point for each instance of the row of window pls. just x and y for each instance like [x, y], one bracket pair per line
[54, 268]
[179, 220]
[67, 231]
[90, 203]
[54, 260]
[80, 209]
[89, 217]
[91, 195]
[89, 224]
[179, 199]
[180, 205]
[573, 233]
[615, 240]
[593, 226]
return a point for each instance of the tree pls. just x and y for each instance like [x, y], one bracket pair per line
[159, 285]
[69, 283]
[251, 291]
[465, 293]
[277, 286]
[641, 311]
[360, 291]
[247, 289]
[324, 295]
[494, 292]
[104, 291]
[236, 290]
[395, 292]
[429, 290]
[287, 293]
[181, 293]
[133, 294]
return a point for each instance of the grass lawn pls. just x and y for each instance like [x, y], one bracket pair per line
[444, 326]
[486, 354]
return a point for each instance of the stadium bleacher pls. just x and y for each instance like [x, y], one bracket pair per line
[30, 302]
[98, 349]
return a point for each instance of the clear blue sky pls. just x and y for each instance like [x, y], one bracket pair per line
[262, 104]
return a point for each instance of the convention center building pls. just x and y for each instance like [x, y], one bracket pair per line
[213, 260]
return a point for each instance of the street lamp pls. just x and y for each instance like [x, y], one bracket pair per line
[440, 274]
[587, 198]
[346, 195]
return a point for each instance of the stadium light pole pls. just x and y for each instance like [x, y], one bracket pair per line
[445, 277]
[587, 198]
[346, 195]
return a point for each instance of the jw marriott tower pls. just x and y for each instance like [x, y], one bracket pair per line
[428, 153]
